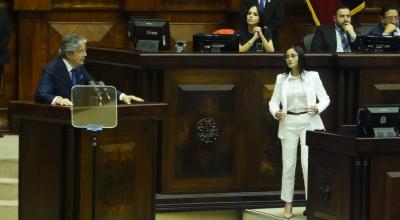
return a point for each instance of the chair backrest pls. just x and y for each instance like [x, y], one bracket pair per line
[307, 41]
[365, 29]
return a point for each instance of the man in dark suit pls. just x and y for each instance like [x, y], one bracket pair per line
[389, 22]
[4, 37]
[339, 37]
[273, 15]
[66, 71]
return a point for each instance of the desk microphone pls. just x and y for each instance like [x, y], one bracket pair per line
[101, 83]
[96, 89]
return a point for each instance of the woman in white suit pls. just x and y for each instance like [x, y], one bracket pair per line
[294, 104]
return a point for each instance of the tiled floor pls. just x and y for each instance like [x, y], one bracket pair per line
[273, 213]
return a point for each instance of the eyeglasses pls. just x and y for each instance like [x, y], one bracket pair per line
[392, 18]
[288, 56]
[82, 51]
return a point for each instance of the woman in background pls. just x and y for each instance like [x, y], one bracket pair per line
[296, 91]
[254, 35]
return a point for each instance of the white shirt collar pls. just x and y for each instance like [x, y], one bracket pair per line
[69, 67]
[293, 77]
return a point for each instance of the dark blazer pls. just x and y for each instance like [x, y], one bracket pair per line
[325, 40]
[245, 36]
[4, 37]
[274, 14]
[56, 81]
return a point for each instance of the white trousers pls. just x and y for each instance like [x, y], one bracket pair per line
[296, 127]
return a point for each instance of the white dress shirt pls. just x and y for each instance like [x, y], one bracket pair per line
[296, 96]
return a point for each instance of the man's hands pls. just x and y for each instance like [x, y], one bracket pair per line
[62, 101]
[129, 98]
[349, 29]
[389, 29]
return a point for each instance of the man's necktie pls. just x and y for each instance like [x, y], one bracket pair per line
[262, 3]
[345, 42]
[74, 76]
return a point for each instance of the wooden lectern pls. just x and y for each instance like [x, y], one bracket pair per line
[353, 178]
[55, 164]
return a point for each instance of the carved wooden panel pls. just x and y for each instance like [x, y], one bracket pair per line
[203, 136]
[204, 146]
[124, 177]
[115, 191]
[330, 187]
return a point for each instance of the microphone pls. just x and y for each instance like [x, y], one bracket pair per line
[101, 83]
[96, 89]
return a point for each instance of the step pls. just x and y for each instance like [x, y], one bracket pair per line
[272, 214]
[9, 147]
[200, 215]
[8, 168]
[8, 189]
[9, 209]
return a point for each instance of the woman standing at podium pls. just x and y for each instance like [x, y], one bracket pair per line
[294, 104]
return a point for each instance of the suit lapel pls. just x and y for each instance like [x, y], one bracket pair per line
[284, 92]
[333, 37]
[64, 73]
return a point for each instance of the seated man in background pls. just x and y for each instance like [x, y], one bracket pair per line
[66, 71]
[339, 37]
[389, 22]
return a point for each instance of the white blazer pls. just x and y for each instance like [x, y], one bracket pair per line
[313, 88]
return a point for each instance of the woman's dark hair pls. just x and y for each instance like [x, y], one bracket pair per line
[302, 59]
[261, 16]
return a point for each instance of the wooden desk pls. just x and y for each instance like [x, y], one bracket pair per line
[218, 134]
[353, 178]
[55, 164]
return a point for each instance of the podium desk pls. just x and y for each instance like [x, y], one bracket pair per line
[55, 164]
[353, 177]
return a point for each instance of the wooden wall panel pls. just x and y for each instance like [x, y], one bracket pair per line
[30, 52]
[33, 5]
[203, 156]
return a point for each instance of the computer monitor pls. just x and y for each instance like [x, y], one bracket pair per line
[149, 35]
[379, 120]
[215, 43]
[379, 44]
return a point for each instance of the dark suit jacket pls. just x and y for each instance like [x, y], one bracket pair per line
[56, 81]
[4, 37]
[274, 14]
[325, 40]
[377, 30]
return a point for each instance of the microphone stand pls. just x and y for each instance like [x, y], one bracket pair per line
[94, 131]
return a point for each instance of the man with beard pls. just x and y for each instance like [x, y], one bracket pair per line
[339, 37]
